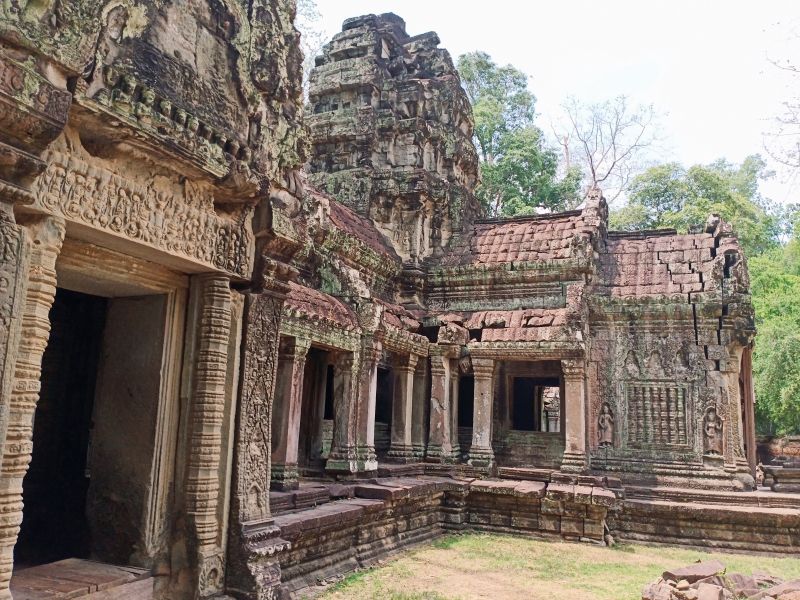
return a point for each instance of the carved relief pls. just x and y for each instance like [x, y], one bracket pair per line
[712, 432]
[187, 226]
[605, 426]
[48, 235]
[657, 414]
[255, 410]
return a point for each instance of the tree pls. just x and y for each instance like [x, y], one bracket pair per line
[607, 140]
[312, 36]
[670, 195]
[782, 142]
[775, 286]
[519, 172]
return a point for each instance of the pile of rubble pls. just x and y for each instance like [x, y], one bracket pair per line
[710, 581]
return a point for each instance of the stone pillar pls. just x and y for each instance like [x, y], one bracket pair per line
[342, 459]
[418, 420]
[455, 375]
[574, 418]
[47, 236]
[481, 453]
[203, 489]
[286, 416]
[253, 571]
[440, 447]
[402, 448]
[371, 350]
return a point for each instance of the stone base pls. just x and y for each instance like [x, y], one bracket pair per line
[254, 569]
[437, 454]
[574, 462]
[401, 454]
[481, 458]
[784, 479]
[284, 478]
[341, 464]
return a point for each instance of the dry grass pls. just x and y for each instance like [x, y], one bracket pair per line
[503, 567]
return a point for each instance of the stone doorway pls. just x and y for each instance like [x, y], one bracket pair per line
[88, 490]
[317, 409]
[54, 524]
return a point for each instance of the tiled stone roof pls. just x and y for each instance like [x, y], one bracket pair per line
[523, 239]
[312, 304]
[361, 228]
[399, 317]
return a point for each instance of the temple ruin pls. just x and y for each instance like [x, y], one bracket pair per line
[245, 346]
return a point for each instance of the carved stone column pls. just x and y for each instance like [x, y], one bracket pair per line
[342, 459]
[206, 421]
[286, 417]
[418, 412]
[575, 458]
[371, 349]
[402, 448]
[481, 453]
[47, 235]
[440, 448]
[253, 571]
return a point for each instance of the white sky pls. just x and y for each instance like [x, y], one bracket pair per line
[703, 64]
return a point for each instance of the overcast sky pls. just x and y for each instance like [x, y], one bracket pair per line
[703, 64]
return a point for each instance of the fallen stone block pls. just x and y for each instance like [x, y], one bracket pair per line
[695, 572]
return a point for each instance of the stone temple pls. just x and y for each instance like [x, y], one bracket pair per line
[246, 345]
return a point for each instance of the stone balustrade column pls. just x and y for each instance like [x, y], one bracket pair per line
[440, 447]
[342, 459]
[286, 413]
[574, 418]
[402, 448]
[367, 391]
[481, 453]
[418, 413]
[32, 290]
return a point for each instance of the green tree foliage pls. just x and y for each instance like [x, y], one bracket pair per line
[775, 285]
[519, 172]
[670, 195]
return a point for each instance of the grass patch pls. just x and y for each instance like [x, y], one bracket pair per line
[502, 567]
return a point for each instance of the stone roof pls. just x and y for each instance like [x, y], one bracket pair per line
[348, 221]
[522, 239]
[306, 302]
[659, 263]
[399, 317]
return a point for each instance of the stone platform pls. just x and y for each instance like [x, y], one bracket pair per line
[356, 523]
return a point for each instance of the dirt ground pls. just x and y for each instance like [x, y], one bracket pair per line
[505, 567]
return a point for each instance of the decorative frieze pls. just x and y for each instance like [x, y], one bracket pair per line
[184, 226]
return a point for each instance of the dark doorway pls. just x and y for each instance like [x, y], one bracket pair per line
[466, 400]
[527, 402]
[54, 524]
[383, 411]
